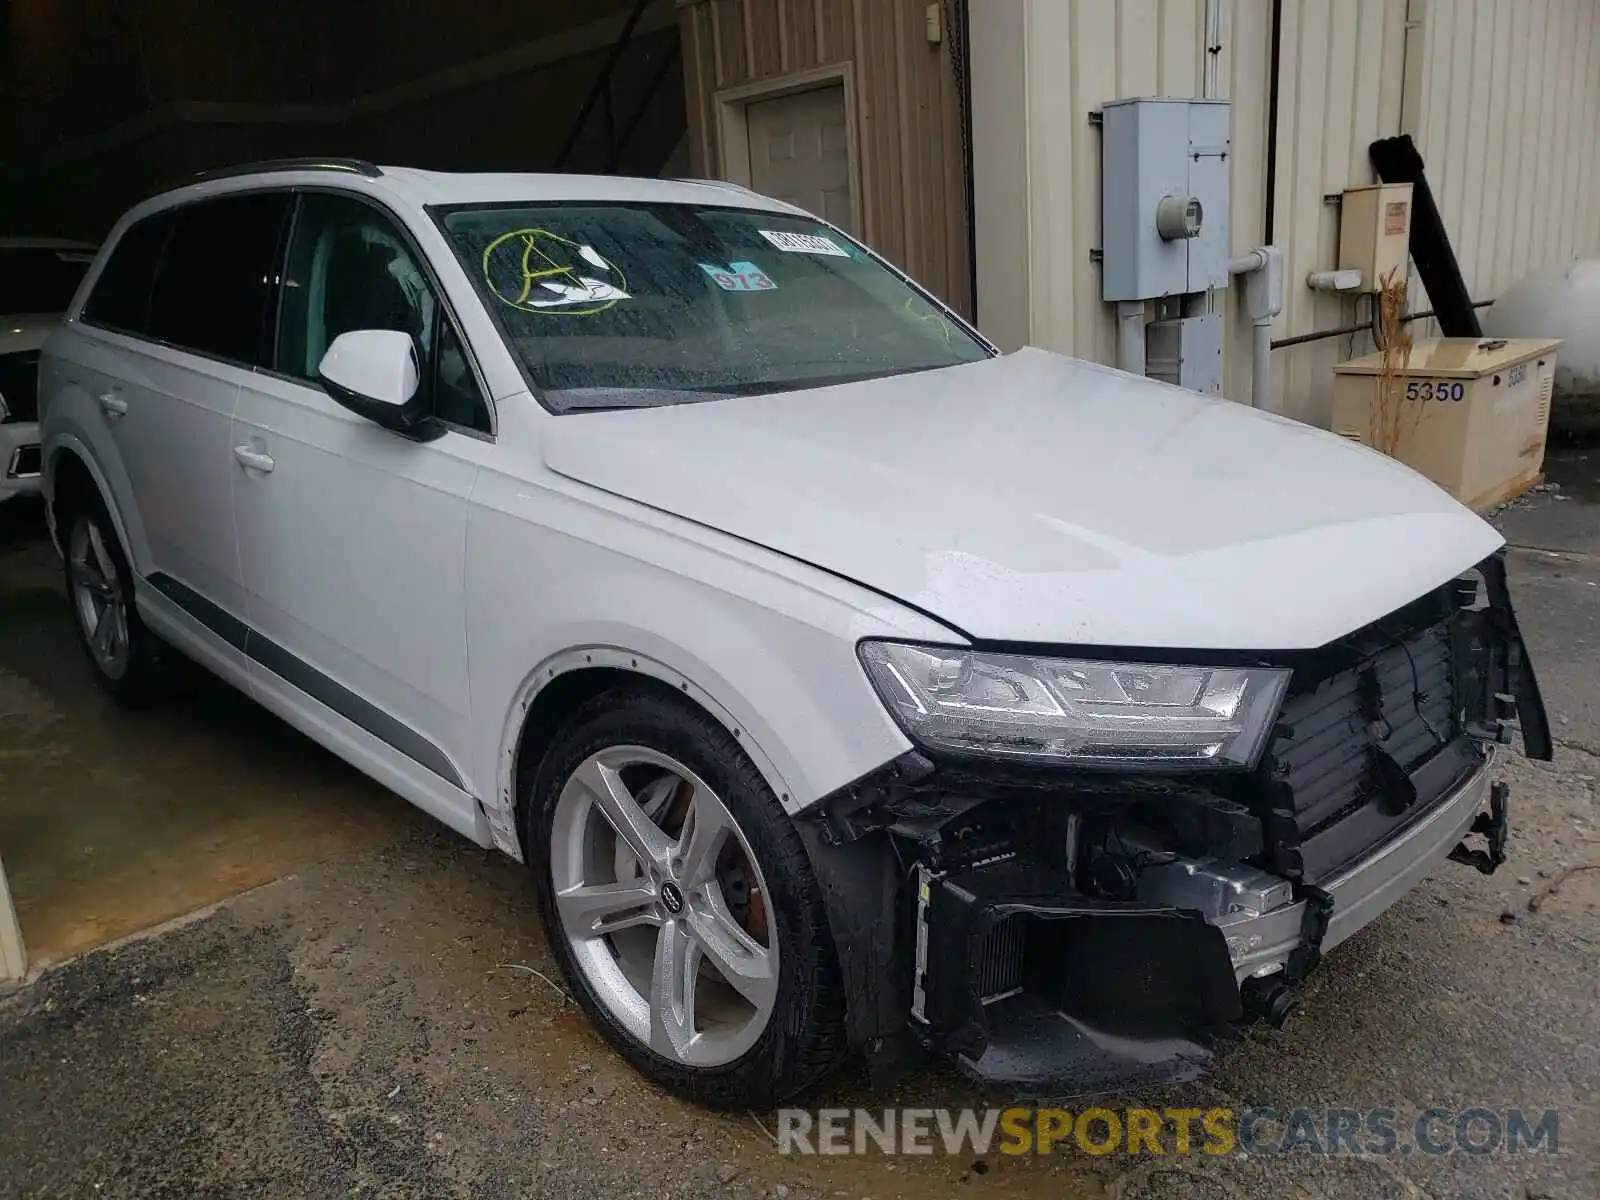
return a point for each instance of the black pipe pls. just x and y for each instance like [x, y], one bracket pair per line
[1346, 330]
[1397, 160]
[1273, 70]
[963, 20]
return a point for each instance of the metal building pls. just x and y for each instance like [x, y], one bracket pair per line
[1502, 97]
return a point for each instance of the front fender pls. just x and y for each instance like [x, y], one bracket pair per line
[557, 583]
[691, 680]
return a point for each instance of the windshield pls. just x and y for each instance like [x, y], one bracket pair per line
[34, 280]
[639, 305]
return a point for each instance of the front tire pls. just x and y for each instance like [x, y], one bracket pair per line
[130, 662]
[680, 903]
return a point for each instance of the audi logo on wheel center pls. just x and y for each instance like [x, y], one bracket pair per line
[672, 898]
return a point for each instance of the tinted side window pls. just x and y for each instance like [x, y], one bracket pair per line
[121, 296]
[349, 267]
[214, 287]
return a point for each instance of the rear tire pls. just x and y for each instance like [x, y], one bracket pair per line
[136, 667]
[710, 863]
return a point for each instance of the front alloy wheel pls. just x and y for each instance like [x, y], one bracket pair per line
[663, 906]
[680, 901]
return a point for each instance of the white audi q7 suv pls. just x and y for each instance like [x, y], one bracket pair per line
[846, 685]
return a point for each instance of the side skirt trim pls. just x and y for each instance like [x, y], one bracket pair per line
[320, 687]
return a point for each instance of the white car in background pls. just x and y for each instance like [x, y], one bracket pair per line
[844, 684]
[37, 279]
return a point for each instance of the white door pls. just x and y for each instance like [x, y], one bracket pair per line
[352, 538]
[197, 280]
[800, 152]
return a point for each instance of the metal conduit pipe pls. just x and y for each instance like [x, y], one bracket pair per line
[1130, 336]
[1263, 270]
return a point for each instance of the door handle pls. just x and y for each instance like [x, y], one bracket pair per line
[256, 460]
[112, 405]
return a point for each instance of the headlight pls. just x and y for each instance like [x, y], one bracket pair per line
[1076, 712]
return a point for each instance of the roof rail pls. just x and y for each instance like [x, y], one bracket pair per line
[722, 183]
[354, 166]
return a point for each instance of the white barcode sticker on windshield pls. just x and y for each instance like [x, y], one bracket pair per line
[804, 243]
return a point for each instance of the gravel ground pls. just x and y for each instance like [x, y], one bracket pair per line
[388, 1022]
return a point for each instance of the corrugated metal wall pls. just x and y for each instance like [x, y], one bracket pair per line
[1037, 158]
[1341, 85]
[908, 149]
[1503, 97]
[1509, 109]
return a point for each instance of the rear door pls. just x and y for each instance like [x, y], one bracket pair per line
[352, 537]
[167, 396]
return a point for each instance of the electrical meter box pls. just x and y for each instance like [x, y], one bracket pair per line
[1469, 413]
[1186, 351]
[1375, 232]
[1164, 192]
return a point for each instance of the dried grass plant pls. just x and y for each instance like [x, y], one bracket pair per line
[1393, 418]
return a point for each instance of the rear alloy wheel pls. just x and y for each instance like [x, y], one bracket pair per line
[134, 665]
[98, 598]
[681, 904]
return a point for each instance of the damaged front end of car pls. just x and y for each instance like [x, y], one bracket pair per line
[1071, 912]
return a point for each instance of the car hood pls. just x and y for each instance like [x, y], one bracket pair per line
[1037, 498]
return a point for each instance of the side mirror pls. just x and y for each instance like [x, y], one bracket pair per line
[373, 373]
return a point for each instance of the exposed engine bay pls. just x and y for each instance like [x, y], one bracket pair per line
[1096, 929]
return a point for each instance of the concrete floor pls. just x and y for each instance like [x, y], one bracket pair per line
[112, 822]
[384, 1019]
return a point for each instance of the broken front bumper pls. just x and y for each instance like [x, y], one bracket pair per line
[1029, 985]
[1261, 946]
[1082, 931]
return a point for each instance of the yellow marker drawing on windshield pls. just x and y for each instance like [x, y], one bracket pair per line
[928, 315]
[536, 271]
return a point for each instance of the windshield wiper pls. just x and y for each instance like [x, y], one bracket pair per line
[770, 387]
[614, 399]
[600, 399]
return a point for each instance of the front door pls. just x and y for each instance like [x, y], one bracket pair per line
[353, 538]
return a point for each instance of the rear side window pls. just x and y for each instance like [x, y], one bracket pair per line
[214, 287]
[121, 296]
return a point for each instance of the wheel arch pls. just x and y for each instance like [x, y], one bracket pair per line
[566, 680]
[74, 478]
